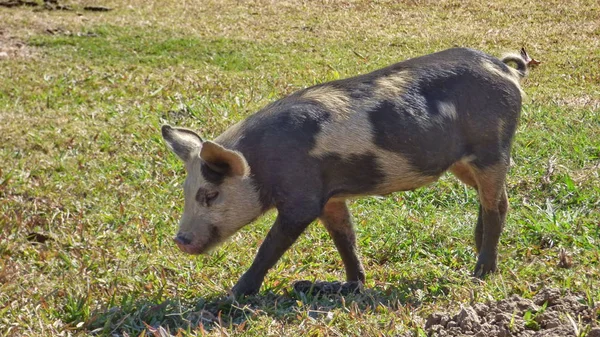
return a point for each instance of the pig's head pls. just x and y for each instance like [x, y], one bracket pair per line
[220, 197]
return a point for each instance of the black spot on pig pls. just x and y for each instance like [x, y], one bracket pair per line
[214, 233]
[356, 174]
[284, 139]
[275, 126]
[399, 127]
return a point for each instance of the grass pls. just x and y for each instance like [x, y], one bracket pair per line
[83, 166]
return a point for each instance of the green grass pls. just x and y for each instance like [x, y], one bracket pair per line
[83, 164]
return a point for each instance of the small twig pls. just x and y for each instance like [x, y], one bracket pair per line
[359, 55]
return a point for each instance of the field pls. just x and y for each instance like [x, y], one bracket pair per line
[90, 196]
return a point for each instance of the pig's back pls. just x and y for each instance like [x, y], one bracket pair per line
[396, 128]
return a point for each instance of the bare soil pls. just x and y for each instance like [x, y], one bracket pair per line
[12, 47]
[551, 312]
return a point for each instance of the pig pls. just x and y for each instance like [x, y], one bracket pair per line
[394, 129]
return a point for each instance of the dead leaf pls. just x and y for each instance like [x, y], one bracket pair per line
[547, 178]
[565, 260]
[157, 332]
[531, 62]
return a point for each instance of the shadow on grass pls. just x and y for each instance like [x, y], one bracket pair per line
[305, 298]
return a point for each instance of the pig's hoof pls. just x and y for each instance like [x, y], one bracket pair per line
[244, 288]
[483, 268]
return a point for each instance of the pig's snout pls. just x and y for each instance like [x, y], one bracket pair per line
[181, 240]
[186, 245]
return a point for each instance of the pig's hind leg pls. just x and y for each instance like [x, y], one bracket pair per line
[490, 182]
[336, 219]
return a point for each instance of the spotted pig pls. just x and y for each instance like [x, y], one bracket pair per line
[394, 129]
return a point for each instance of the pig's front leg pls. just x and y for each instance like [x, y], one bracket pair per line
[283, 234]
[336, 219]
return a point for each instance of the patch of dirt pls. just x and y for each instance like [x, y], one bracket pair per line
[551, 313]
[11, 47]
[582, 101]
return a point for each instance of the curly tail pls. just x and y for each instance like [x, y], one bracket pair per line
[522, 61]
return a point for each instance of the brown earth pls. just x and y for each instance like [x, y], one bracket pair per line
[551, 313]
[12, 47]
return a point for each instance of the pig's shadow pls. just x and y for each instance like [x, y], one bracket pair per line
[316, 300]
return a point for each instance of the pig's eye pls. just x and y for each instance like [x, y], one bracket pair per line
[211, 196]
[205, 197]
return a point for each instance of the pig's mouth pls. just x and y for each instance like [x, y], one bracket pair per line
[189, 248]
[195, 247]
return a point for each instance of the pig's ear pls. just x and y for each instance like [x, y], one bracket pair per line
[183, 142]
[224, 161]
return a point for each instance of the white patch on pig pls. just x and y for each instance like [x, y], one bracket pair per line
[333, 99]
[392, 86]
[446, 113]
[512, 75]
[351, 132]
[447, 110]
[400, 175]
[354, 135]
[350, 136]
